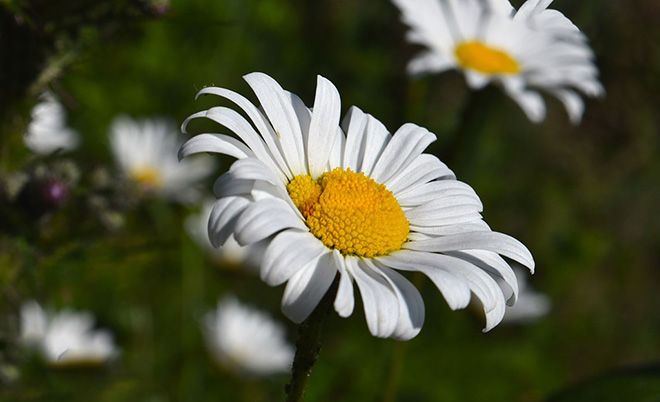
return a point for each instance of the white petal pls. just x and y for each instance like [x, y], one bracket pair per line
[406, 145]
[307, 287]
[253, 169]
[411, 305]
[264, 218]
[354, 124]
[216, 143]
[423, 169]
[258, 119]
[495, 265]
[490, 241]
[572, 102]
[454, 290]
[237, 124]
[344, 301]
[288, 253]
[281, 113]
[434, 190]
[224, 215]
[381, 307]
[323, 128]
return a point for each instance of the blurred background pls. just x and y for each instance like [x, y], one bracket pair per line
[582, 198]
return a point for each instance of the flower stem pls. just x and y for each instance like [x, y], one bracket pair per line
[309, 346]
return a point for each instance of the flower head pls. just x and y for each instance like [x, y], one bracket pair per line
[66, 338]
[146, 154]
[352, 201]
[246, 340]
[533, 48]
[47, 131]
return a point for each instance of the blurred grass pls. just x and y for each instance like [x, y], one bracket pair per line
[582, 198]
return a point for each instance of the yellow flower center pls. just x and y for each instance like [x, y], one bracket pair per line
[350, 212]
[147, 177]
[480, 57]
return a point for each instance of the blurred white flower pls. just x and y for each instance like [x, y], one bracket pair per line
[65, 338]
[146, 152]
[47, 132]
[231, 252]
[531, 305]
[353, 202]
[247, 341]
[533, 48]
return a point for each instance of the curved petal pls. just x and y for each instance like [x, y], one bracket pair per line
[411, 305]
[253, 169]
[288, 253]
[406, 145]
[381, 307]
[323, 128]
[454, 290]
[282, 115]
[344, 301]
[258, 119]
[490, 241]
[222, 221]
[216, 143]
[264, 218]
[307, 287]
[423, 169]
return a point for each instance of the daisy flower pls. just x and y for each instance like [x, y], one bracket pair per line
[247, 341]
[66, 338]
[47, 131]
[352, 201]
[525, 51]
[145, 151]
[231, 252]
[531, 306]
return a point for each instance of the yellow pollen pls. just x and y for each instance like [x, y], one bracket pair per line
[350, 212]
[147, 177]
[480, 57]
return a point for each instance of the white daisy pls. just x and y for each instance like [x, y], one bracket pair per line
[231, 252]
[146, 150]
[533, 48]
[47, 131]
[353, 201]
[246, 340]
[531, 305]
[65, 338]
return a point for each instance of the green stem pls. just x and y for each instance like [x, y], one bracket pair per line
[309, 346]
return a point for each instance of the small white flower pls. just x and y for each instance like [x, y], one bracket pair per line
[353, 202]
[231, 252]
[246, 340]
[65, 338]
[531, 305]
[146, 152]
[47, 131]
[533, 48]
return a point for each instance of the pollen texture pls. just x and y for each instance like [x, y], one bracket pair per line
[480, 57]
[147, 177]
[350, 212]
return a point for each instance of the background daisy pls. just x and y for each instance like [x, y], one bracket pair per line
[534, 48]
[247, 341]
[65, 338]
[48, 131]
[145, 151]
